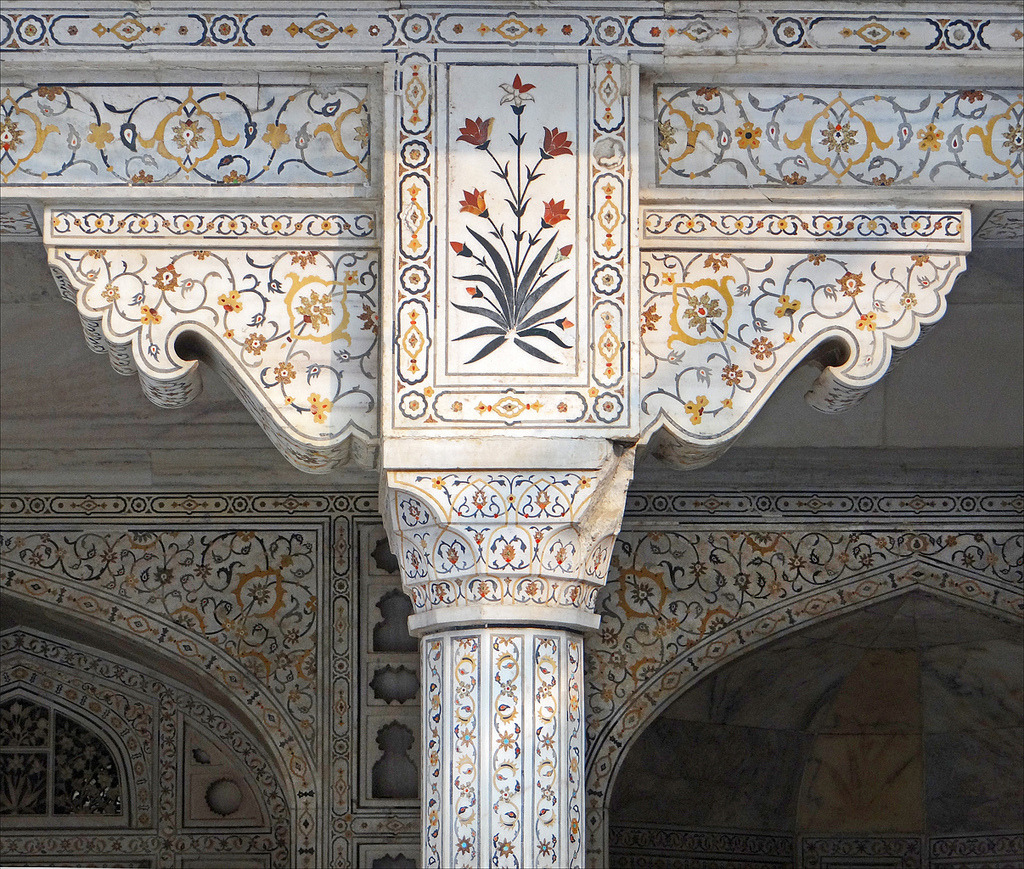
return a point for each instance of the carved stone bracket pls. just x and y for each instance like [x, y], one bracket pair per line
[732, 301]
[283, 305]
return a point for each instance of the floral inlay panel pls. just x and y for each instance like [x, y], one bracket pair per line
[64, 134]
[527, 225]
[294, 332]
[741, 137]
[508, 251]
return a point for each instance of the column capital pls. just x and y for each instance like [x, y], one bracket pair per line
[506, 546]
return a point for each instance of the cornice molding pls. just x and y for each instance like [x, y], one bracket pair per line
[365, 30]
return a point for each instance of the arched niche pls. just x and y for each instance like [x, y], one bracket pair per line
[60, 766]
[679, 604]
[200, 790]
[892, 731]
[63, 583]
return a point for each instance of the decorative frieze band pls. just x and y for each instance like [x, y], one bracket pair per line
[716, 136]
[215, 229]
[27, 27]
[797, 228]
[721, 509]
[70, 134]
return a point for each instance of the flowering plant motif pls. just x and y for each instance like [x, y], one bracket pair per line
[511, 285]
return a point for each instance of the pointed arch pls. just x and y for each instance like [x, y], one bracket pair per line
[82, 763]
[146, 714]
[102, 583]
[721, 628]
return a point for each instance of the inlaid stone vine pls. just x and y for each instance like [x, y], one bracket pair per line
[283, 305]
[731, 302]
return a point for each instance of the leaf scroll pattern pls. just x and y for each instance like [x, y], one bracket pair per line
[252, 594]
[720, 330]
[141, 134]
[717, 136]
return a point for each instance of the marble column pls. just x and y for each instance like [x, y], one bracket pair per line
[503, 568]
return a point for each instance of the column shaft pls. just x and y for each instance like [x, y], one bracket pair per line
[503, 748]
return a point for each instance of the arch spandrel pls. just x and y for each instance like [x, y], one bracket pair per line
[679, 605]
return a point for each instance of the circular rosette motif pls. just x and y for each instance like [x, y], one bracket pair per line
[415, 28]
[609, 31]
[415, 153]
[607, 280]
[260, 593]
[788, 32]
[607, 407]
[415, 279]
[31, 29]
[642, 592]
[189, 135]
[317, 305]
[701, 311]
[224, 29]
[413, 404]
[959, 34]
[838, 137]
